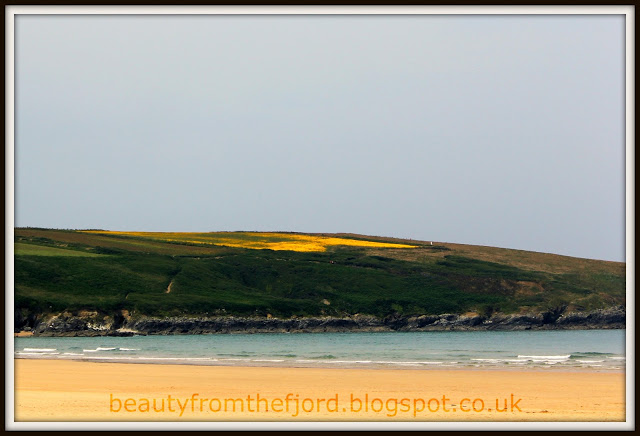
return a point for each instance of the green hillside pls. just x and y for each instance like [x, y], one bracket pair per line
[58, 270]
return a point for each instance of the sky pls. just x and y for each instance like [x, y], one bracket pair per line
[504, 131]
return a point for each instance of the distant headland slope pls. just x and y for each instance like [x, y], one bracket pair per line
[103, 282]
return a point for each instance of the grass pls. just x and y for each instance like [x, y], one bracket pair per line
[39, 250]
[278, 274]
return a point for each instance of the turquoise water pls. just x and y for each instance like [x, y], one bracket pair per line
[569, 349]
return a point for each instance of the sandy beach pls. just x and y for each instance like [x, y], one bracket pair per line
[54, 390]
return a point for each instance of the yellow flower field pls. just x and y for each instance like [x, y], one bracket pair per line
[271, 241]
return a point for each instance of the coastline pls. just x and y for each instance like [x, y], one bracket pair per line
[353, 366]
[54, 390]
[123, 324]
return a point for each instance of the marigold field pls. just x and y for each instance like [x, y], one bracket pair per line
[271, 241]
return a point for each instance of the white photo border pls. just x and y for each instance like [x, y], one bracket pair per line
[11, 11]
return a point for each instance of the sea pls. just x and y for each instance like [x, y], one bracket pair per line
[600, 350]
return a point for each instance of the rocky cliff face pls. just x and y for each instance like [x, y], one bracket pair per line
[122, 324]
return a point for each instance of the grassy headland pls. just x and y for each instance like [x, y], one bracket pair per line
[294, 275]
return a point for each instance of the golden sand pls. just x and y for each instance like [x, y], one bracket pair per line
[54, 390]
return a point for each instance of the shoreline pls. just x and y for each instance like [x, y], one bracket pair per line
[130, 333]
[52, 390]
[124, 324]
[356, 367]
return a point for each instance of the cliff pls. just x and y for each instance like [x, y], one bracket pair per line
[121, 324]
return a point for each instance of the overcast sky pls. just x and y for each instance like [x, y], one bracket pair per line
[505, 131]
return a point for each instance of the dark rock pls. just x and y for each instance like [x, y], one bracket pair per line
[19, 320]
[68, 325]
[552, 315]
